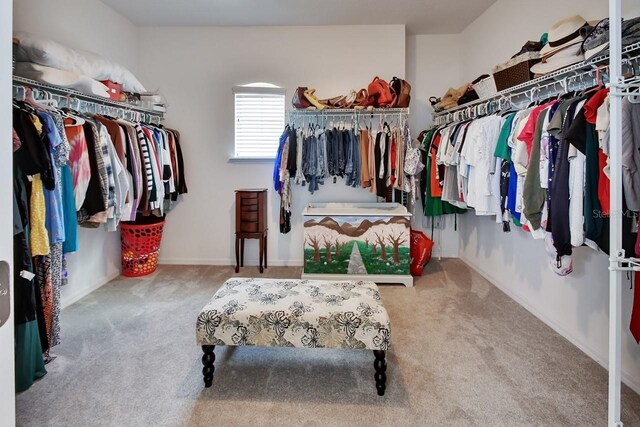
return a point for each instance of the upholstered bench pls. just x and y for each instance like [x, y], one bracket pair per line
[295, 313]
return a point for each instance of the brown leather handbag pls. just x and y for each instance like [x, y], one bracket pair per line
[361, 99]
[402, 91]
[335, 102]
[299, 100]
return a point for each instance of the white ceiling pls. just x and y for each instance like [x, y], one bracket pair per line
[420, 16]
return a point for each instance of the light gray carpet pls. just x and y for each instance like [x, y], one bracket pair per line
[463, 354]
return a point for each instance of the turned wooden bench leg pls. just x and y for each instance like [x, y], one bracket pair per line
[207, 361]
[380, 366]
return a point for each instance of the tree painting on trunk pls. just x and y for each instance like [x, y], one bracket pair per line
[383, 247]
[396, 241]
[346, 244]
[314, 242]
[327, 248]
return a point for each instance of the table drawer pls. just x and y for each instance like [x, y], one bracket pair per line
[248, 201]
[249, 208]
[250, 216]
[249, 227]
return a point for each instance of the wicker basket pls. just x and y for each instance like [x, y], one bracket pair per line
[486, 87]
[516, 71]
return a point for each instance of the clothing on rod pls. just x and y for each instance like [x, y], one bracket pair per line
[73, 169]
[381, 160]
[543, 169]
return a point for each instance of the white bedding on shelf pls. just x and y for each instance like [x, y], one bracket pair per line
[52, 54]
[57, 77]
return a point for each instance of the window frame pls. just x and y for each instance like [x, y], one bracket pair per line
[256, 89]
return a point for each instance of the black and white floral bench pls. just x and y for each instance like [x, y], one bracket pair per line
[295, 313]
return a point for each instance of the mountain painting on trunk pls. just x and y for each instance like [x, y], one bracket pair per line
[357, 245]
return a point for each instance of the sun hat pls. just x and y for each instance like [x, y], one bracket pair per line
[558, 59]
[630, 35]
[564, 33]
[596, 39]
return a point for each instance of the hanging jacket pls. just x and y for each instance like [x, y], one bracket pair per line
[276, 165]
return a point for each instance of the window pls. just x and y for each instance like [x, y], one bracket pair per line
[259, 120]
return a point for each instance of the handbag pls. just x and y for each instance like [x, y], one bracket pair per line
[402, 91]
[354, 99]
[299, 100]
[379, 93]
[309, 95]
[336, 102]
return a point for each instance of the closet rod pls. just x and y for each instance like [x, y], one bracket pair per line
[350, 112]
[71, 94]
[526, 90]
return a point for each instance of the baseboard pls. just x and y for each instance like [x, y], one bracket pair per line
[77, 296]
[584, 347]
[227, 261]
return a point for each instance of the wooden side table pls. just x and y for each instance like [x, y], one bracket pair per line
[251, 223]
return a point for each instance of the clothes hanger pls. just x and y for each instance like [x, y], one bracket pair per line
[74, 115]
[599, 82]
[635, 99]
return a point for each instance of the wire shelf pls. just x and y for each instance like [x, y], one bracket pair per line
[74, 94]
[554, 83]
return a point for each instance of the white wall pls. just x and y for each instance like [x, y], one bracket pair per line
[7, 369]
[577, 305]
[195, 68]
[433, 63]
[89, 25]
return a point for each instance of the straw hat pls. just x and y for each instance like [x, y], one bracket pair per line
[564, 33]
[564, 57]
[564, 47]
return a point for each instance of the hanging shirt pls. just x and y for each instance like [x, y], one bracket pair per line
[533, 194]
[78, 161]
[481, 142]
[69, 207]
[53, 198]
[39, 237]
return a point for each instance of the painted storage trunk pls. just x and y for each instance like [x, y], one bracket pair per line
[357, 241]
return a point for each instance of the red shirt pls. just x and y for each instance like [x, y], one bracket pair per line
[526, 135]
[592, 105]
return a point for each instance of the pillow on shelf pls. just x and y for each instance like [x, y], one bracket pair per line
[57, 77]
[51, 54]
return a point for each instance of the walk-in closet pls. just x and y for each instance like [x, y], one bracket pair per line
[323, 213]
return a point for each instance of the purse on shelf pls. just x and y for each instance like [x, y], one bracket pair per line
[379, 93]
[360, 101]
[299, 100]
[354, 99]
[309, 95]
[402, 91]
[335, 102]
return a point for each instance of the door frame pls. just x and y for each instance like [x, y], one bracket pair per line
[7, 346]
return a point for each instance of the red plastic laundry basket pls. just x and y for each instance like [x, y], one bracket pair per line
[140, 245]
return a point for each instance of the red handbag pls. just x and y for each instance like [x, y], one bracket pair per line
[421, 247]
[299, 101]
[380, 94]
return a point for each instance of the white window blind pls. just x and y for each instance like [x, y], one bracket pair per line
[259, 121]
